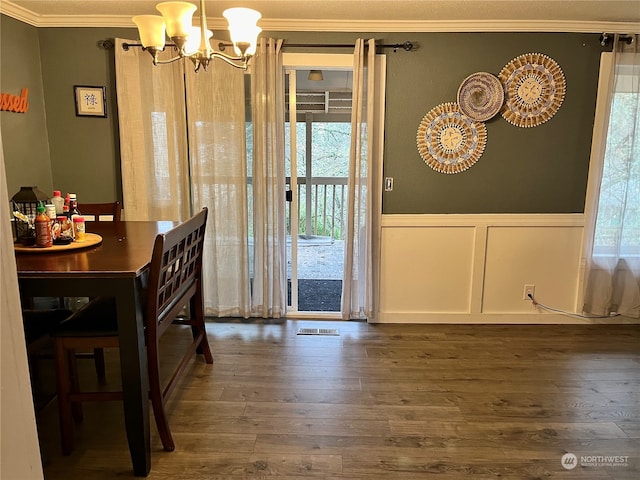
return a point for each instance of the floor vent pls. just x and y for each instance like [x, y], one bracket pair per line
[318, 331]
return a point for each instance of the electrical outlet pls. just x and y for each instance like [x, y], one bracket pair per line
[528, 290]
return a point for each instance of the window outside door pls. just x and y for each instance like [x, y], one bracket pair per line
[318, 153]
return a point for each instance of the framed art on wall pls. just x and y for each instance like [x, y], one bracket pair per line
[90, 101]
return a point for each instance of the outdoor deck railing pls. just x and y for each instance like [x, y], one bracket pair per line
[323, 211]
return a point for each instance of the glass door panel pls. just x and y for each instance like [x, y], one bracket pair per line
[318, 153]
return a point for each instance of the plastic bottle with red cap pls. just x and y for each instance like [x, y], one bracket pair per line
[58, 201]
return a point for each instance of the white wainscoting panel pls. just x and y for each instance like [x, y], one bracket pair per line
[472, 268]
[427, 269]
[546, 257]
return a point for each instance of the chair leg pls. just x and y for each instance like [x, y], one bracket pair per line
[98, 354]
[34, 366]
[197, 316]
[157, 402]
[64, 405]
[203, 347]
[74, 385]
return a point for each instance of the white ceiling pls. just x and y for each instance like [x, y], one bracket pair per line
[353, 15]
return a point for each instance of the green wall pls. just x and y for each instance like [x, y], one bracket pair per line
[534, 170]
[50, 146]
[24, 135]
[85, 155]
[522, 170]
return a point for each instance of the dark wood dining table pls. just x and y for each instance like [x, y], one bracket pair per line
[116, 267]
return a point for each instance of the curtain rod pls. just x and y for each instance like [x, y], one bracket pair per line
[406, 46]
[606, 37]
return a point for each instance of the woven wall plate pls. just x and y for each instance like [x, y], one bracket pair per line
[448, 140]
[480, 96]
[534, 89]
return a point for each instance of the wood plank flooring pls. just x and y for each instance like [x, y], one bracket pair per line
[384, 402]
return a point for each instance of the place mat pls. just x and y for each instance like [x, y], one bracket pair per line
[480, 96]
[449, 141]
[91, 240]
[534, 89]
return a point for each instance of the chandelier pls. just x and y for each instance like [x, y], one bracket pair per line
[193, 42]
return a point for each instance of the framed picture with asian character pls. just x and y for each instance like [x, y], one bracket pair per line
[90, 101]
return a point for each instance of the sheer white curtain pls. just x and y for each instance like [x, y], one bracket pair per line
[613, 270]
[19, 448]
[153, 144]
[268, 180]
[171, 169]
[364, 195]
[218, 174]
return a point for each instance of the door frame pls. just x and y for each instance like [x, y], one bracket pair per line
[291, 63]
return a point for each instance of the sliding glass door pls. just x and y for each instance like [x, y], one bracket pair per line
[318, 113]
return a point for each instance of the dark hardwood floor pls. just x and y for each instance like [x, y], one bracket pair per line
[384, 402]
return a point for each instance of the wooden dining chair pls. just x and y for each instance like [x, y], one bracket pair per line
[175, 281]
[39, 320]
[38, 325]
[112, 210]
[100, 212]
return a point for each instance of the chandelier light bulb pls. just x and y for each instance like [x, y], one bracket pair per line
[243, 29]
[193, 42]
[152, 30]
[178, 17]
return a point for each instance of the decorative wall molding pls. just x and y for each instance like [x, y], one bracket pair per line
[472, 269]
[460, 26]
[490, 219]
[14, 11]
[505, 319]
[331, 25]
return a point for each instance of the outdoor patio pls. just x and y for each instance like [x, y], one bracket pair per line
[320, 266]
[318, 258]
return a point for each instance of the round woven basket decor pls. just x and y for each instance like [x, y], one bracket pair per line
[449, 141]
[534, 89]
[480, 96]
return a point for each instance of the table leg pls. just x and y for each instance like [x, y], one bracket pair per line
[135, 380]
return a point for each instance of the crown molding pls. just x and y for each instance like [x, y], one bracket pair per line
[14, 11]
[558, 26]
[323, 25]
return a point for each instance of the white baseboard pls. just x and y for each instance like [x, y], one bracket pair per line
[496, 318]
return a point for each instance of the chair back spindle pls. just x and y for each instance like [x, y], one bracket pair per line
[176, 272]
[111, 210]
